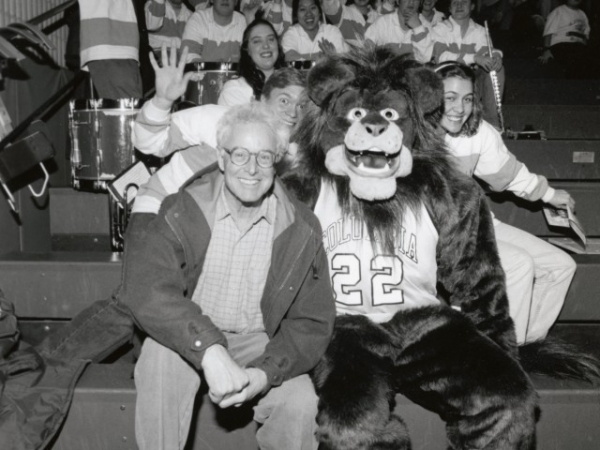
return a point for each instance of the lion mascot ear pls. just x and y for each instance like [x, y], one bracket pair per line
[327, 77]
[427, 88]
[425, 85]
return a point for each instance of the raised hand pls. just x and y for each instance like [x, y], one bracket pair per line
[327, 47]
[171, 82]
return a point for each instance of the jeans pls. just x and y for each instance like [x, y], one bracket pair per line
[166, 387]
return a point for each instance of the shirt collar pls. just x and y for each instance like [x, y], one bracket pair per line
[267, 208]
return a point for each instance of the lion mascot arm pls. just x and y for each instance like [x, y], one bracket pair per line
[469, 269]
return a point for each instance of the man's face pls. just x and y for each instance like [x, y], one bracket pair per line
[461, 9]
[308, 14]
[408, 6]
[287, 104]
[224, 7]
[246, 186]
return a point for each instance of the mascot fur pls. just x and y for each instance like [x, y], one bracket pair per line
[369, 163]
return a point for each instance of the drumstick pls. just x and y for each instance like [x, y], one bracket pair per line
[495, 83]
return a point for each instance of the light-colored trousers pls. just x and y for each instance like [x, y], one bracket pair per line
[167, 385]
[538, 276]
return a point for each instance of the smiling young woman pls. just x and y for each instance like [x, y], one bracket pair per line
[261, 54]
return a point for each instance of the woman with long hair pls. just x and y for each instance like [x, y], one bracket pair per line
[261, 54]
[538, 274]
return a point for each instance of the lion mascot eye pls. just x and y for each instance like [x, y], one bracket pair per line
[356, 114]
[389, 114]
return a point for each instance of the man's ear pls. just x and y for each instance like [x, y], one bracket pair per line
[221, 159]
[328, 76]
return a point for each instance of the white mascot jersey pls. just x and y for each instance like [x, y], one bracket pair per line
[377, 285]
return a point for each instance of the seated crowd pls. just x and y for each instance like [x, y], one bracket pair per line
[262, 40]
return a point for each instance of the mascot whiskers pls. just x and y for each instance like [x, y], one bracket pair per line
[402, 230]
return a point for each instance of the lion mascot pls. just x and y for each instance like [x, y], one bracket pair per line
[422, 306]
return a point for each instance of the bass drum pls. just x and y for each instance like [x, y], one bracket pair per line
[101, 140]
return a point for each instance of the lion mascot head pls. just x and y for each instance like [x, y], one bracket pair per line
[365, 130]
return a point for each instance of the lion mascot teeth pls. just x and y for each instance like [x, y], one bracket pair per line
[422, 307]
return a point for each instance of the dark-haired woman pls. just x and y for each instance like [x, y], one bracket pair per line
[309, 38]
[260, 55]
[538, 274]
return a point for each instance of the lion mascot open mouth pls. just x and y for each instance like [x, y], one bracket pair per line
[419, 290]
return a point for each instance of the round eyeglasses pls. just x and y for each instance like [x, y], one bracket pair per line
[240, 157]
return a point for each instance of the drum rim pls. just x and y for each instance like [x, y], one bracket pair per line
[211, 66]
[79, 104]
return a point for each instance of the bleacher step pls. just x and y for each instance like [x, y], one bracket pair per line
[57, 285]
[103, 411]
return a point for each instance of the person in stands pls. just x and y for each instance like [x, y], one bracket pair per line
[538, 274]
[214, 34]
[309, 38]
[461, 39]
[402, 31]
[109, 47]
[261, 55]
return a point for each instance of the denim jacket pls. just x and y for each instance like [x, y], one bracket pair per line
[164, 260]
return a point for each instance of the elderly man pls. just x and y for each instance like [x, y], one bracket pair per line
[230, 282]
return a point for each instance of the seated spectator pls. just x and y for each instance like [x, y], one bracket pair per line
[211, 282]
[461, 39]
[402, 32]
[354, 17]
[109, 47]
[309, 38]
[566, 35]
[429, 15]
[261, 54]
[165, 22]
[215, 34]
[538, 274]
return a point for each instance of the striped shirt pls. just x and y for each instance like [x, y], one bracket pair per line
[386, 31]
[297, 44]
[349, 20]
[164, 24]
[209, 41]
[280, 15]
[485, 156]
[236, 267]
[448, 44]
[108, 30]
[438, 16]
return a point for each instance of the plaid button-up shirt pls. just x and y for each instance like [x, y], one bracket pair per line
[235, 268]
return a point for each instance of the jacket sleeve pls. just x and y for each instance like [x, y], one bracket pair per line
[304, 333]
[469, 266]
[501, 170]
[154, 288]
